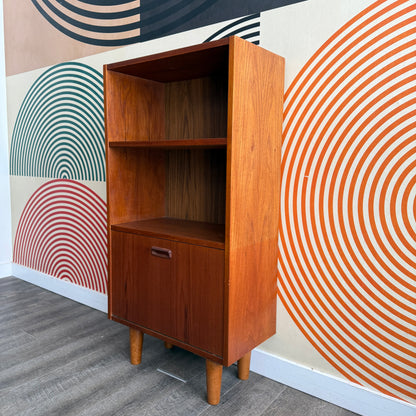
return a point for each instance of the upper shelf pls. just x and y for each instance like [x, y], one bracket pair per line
[185, 63]
[172, 144]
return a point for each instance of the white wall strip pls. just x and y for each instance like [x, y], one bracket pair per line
[329, 388]
[5, 269]
[80, 294]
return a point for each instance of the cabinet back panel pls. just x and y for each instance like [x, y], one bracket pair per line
[195, 185]
[134, 108]
[196, 108]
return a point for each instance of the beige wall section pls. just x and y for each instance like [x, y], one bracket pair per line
[308, 25]
[289, 343]
[26, 29]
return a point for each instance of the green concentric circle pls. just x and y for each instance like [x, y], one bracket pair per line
[59, 130]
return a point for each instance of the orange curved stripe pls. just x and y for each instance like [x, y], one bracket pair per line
[410, 228]
[296, 189]
[411, 247]
[340, 249]
[329, 67]
[395, 257]
[339, 357]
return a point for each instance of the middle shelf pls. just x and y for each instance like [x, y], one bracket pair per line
[172, 144]
[175, 229]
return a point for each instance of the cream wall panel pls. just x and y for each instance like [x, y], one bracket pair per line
[5, 209]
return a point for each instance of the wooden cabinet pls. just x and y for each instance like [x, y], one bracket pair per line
[193, 140]
[170, 288]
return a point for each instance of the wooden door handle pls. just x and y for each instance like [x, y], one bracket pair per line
[164, 253]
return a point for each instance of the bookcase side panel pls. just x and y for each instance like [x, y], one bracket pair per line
[135, 108]
[253, 188]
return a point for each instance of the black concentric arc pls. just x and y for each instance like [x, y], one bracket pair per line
[246, 28]
[116, 23]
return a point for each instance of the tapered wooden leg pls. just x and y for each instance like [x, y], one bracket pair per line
[243, 365]
[168, 345]
[136, 344]
[214, 376]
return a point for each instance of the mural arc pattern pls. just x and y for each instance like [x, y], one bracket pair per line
[113, 24]
[348, 258]
[59, 130]
[62, 232]
[99, 23]
[118, 23]
[247, 28]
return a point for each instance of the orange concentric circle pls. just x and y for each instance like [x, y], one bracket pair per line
[348, 224]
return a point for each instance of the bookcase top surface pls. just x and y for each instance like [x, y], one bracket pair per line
[186, 63]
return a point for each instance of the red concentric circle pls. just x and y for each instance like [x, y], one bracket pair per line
[63, 232]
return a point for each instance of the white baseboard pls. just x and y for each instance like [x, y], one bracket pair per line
[342, 393]
[80, 294]
[5, 269]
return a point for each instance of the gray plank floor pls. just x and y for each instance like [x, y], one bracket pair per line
[58, 357]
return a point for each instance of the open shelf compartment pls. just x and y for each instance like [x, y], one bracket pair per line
[168, 96]
[183, 184]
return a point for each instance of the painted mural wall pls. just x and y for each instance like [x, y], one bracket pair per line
[347, 263]
[5, 213]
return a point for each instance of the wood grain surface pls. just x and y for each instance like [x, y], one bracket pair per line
[136, 346]
[213, 198]
[255, 111]
[216, 142]
[214, 377]
[195, 185]
[136, 182]
[179, 297]
[193, 232]
[197, 107]
[134, 108]
[191, 62]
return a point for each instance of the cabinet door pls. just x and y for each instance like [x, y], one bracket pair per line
[142, 283]
[201, 273]
[180, 295]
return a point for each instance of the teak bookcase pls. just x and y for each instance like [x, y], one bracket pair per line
[193, 140]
